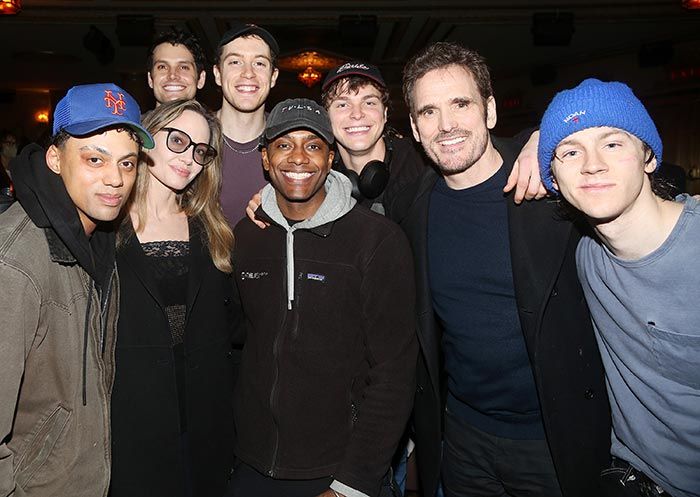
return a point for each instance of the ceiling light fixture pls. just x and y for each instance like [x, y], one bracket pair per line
[310, 65]
[10, 6]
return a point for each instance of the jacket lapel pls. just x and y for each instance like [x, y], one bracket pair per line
[198, 260]
[134, 258]
[416, 227]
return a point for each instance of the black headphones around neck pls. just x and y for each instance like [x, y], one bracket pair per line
[372, 181]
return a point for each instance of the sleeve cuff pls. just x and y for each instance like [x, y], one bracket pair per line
[342, 488]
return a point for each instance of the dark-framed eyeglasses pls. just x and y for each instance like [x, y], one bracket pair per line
[178, 141]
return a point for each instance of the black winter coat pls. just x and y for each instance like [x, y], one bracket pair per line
[146, 445]
[558, 334]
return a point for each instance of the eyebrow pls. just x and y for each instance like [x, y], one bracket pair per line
[166, 60]
[607, 134]
[96, 148]
[236, 54]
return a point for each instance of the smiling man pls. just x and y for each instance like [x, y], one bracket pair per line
[327, 374]
[60, 296]
[599, 149]
[377, 160]
[501, 318]
[175, 67]
[246, 71]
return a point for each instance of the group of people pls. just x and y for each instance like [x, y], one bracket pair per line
[157, 341]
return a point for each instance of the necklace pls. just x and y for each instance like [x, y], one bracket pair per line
[242, 152]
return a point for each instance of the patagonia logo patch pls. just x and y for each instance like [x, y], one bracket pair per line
[253, 275]
[316, 277]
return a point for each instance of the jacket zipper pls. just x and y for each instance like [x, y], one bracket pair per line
[104, 311]
[276, 346]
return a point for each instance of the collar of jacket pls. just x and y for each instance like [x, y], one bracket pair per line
[57, 249]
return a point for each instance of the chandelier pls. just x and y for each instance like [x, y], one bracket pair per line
[10, 6]
[309, 65]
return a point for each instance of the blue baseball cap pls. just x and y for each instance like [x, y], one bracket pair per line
[89, 108]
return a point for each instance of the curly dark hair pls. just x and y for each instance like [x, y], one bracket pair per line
[179, 37]
[440, 55]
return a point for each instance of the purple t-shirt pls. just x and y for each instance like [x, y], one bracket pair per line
[243, 176]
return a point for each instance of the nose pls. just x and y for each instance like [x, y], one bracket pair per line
[247, 70]
[446, 121]
[356, 111]
[593, 162]
[113, 176]
[172, 72]
[298, 156]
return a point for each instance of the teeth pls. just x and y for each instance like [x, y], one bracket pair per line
[453, 141]
[246, 88]
[174, 87]
[294, 175]
[357, 129]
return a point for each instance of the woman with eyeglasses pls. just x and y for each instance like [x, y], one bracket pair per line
[172, 422]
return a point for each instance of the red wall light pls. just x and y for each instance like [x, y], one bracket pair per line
[691, 4]
[10, 6]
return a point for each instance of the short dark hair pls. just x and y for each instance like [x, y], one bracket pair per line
[179, 37]
[438, 56]
[273, 55]
[60, 138]
[353, 84]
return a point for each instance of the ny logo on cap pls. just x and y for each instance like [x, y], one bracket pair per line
[118, 106]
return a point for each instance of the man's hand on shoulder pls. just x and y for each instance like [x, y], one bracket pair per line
[525, 176]
[253, 205]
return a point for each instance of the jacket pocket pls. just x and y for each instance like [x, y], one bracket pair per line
[42, 445]
[677, 355]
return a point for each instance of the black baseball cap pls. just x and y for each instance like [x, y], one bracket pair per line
[298, 113]
[354, 68]
[239, 29]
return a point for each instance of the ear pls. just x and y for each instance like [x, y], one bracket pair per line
[386, 114]
[202, 79]
[150, 80]
[265, 159]
[273, 80]
[491, 115]
[651, 167]
[331, 156]
[416, 136]
[217, 75]
[53, 159]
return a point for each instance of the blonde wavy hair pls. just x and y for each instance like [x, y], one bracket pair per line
[200, 200]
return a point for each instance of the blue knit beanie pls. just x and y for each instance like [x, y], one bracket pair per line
[591, 104]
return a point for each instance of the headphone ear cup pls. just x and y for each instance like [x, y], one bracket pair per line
[355, 182]
[373, 180]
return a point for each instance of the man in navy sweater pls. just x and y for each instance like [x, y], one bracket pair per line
[518, 379]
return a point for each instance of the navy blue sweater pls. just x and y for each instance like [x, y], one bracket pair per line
[490, 381]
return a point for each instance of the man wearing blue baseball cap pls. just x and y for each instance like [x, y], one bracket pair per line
[599, 149]
[59, 295]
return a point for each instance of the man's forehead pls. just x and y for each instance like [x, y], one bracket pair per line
[596, 133]
[366, 89]
[300, 133]
[168, 50]
[244, 43]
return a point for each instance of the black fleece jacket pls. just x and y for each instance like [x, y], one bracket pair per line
[325, 388]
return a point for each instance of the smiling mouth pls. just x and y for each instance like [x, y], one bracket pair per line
[357, 129]
[247, 88]
[174, 87]
[184, 172]
[296, 176]
[452, 141]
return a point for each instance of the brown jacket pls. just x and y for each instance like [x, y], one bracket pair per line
[54, 400]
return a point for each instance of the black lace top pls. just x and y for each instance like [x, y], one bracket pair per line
[169, 262]
[170, 266]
